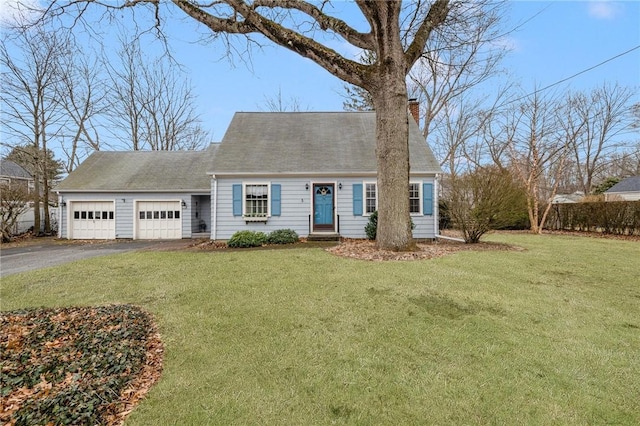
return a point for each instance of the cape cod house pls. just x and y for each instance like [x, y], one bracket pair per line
[313, 172]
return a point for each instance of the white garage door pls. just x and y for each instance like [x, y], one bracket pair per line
[159, 220]
[93, 220]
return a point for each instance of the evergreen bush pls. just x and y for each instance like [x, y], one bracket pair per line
[283, 236]
[371, 228]
[243, 239]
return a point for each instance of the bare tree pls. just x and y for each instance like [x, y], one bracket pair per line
[31, 108]
[278, 104]
[537, 150]
[622, 163]
[14, 201]
[125, 81]
[460, 57]
[398, 34]
[153, 105]
[82, 93]
[594, 121]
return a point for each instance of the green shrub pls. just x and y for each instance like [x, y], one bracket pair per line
[247, 239]
[283, 236]
[371, 228]
[609, 217]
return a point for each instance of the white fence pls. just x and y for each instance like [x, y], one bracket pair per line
[26, 220]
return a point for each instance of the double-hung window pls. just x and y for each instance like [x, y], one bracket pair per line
[367, 203]
[256, 200]
[370, 198]
[414, 198]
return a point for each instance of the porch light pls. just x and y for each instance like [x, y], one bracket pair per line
[306, 186]
[184, 204]
[340, 185]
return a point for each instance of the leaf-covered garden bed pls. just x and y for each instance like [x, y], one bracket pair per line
[76, 365]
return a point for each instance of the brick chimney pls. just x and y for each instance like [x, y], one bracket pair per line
[414, 109]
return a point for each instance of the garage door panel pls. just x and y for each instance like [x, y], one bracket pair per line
[159, 220]
[93, 220]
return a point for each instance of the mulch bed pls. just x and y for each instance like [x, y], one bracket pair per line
[367, 250]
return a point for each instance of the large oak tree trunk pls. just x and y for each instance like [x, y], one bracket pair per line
[392, 134]
[392, 153]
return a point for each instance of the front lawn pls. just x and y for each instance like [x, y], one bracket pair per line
[546, 335]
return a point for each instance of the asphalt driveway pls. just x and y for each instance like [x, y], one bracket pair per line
[48, 252]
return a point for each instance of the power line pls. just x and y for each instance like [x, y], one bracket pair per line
[573, 76]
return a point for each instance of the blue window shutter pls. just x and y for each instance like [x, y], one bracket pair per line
[427, 198]
[275, 199]
[237, 199]
[357, 199]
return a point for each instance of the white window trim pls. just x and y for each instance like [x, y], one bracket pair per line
[364, 197]
[420, 186]
[244, 201]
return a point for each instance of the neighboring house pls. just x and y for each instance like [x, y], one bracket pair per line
[311, 172]
[576, 197]
[627, 189]
[13, 174]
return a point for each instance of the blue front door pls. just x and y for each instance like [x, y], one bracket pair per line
[323, 207]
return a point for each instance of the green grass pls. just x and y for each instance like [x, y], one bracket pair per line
[548, 335]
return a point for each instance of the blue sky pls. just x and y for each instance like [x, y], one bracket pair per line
[562, 39]
[555, 40]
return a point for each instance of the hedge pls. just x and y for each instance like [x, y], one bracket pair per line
[609, 217]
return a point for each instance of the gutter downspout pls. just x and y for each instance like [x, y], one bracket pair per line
[59, 214]
[214, 220]
[436, 204]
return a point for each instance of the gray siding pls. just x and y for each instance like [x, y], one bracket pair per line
[296, 208]
[124, 209]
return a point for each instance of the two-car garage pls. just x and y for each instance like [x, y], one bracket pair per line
[91, 220]
[143, 195]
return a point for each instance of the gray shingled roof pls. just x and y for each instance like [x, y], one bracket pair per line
[309, 142]
[630, 184]
[11, 169]
[142, 171]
